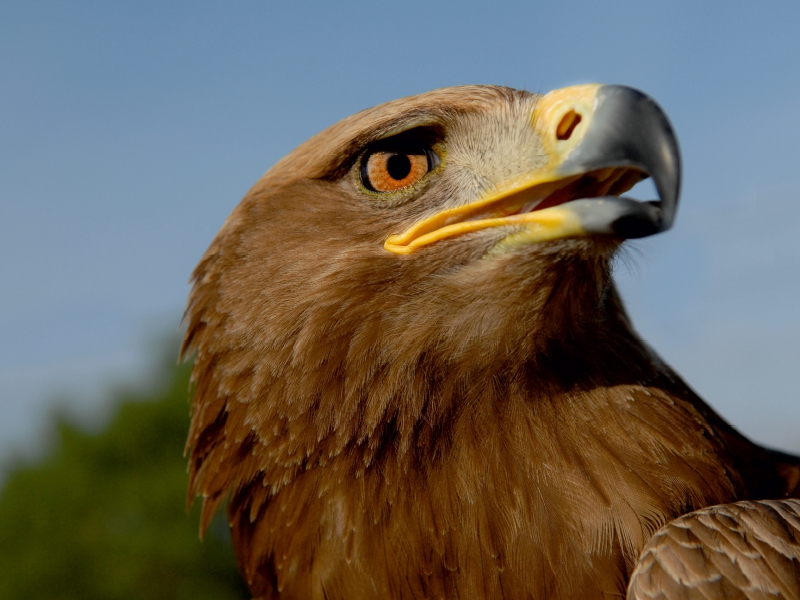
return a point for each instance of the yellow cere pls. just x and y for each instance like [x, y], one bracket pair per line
[554, 109]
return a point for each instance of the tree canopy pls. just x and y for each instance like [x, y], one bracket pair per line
[103, 514]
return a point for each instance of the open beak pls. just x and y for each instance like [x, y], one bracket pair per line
[600, 141]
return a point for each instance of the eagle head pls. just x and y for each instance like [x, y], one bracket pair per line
[409, 352]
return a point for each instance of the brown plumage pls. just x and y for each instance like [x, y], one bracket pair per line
[737, 551]
[473, 419]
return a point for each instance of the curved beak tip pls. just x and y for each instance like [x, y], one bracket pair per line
[629, 129]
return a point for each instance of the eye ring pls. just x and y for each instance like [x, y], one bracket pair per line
[387, 170]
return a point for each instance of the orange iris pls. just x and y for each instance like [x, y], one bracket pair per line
[390, 171]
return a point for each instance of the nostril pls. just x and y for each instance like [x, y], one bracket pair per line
[567, 125]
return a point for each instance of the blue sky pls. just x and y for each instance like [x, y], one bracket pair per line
[129, 131]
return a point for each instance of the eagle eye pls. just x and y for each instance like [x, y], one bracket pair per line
[389, 169]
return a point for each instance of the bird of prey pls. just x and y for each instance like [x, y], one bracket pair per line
[414, 377]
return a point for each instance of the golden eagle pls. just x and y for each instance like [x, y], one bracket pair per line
[414, 377]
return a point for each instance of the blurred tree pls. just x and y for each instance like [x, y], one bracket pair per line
[103, 514]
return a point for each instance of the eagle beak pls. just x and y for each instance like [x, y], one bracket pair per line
[599, 140]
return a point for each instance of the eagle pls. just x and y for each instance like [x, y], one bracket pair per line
[414, 377]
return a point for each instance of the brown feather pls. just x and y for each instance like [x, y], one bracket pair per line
[747, 550]
[435, 425]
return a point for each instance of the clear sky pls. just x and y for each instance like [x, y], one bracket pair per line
[129, 131]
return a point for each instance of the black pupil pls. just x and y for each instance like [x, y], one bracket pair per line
[398, 166]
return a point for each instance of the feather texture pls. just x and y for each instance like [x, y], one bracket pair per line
[746, 550]
[438, 425]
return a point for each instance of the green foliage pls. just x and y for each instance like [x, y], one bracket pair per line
[103, 515]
